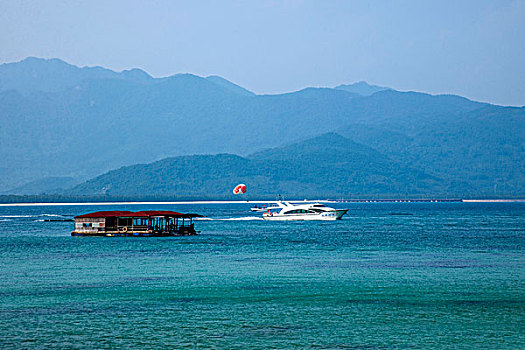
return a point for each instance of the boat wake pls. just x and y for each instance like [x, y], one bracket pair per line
[246, 218]
[34, 216]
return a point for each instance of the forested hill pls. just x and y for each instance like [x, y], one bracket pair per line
[61, 121]
[328, 166]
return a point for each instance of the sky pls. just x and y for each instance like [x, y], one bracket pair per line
[471, 48]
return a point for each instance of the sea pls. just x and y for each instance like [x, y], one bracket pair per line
[386, 276]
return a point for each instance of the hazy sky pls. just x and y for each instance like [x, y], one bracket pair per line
[471, 48]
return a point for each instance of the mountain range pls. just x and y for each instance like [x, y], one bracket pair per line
[326, 165]
[59, 121]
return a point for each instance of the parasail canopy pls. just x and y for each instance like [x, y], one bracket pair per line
[240, 189]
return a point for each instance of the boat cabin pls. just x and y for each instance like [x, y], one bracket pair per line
[142, 223]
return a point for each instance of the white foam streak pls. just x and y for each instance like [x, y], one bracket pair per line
[246, 218]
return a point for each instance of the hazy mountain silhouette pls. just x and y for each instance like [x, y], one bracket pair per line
[361, 88]
[58, 120]
[37, 74]
[229, 85]
[47, 185]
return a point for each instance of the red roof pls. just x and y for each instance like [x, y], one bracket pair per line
[144, 213]
[106, 214]
[130, 214]
[158, 213]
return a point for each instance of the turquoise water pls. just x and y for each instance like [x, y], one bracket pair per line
[387, 276]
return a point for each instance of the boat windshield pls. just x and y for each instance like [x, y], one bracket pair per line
[298, 211]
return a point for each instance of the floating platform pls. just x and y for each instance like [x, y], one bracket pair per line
[149, 223]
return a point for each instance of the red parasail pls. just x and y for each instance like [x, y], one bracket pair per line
[240, 189]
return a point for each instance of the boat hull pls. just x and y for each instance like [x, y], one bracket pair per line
[326, 216]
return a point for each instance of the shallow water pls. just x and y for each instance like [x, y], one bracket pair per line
[387, 276]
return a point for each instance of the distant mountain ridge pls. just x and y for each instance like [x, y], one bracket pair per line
[52, 75]
[58, 120]
[48, 185]
[229, 85]
[362, 88]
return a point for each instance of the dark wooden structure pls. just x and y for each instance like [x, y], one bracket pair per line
[157, 223]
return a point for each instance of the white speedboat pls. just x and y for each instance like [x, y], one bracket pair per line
[311, 211]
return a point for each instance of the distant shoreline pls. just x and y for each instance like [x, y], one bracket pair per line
[199, 202]
[493, 200]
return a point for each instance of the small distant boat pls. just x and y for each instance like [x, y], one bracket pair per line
[285, 211]
[259, 209]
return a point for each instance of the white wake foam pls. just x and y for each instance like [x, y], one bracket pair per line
[246, 218]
